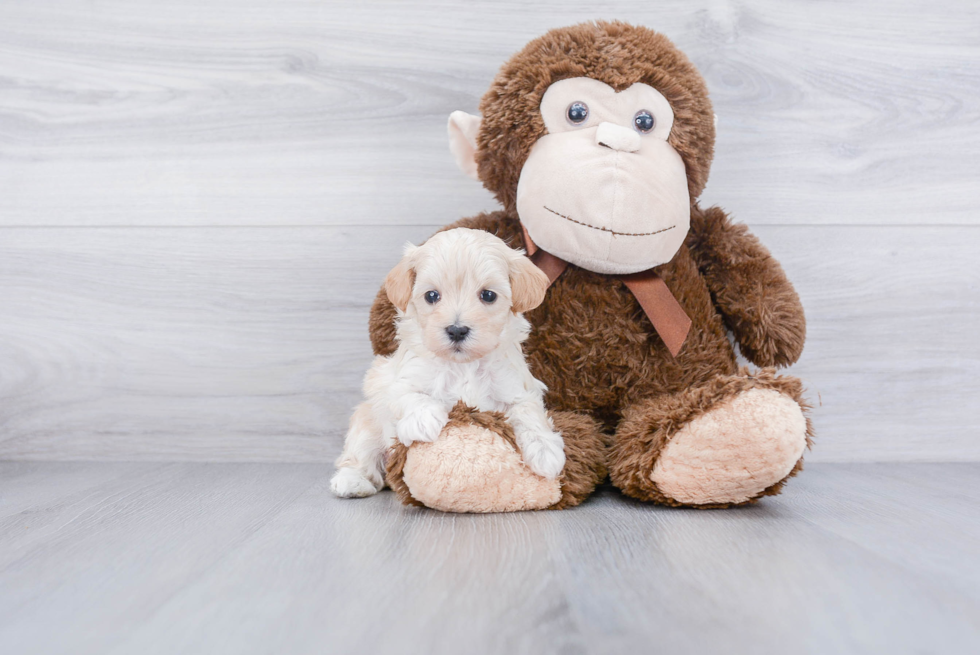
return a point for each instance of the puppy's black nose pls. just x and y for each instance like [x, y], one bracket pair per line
[457, 332]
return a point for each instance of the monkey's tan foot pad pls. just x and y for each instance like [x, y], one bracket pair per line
[734, 451]
[475, 466]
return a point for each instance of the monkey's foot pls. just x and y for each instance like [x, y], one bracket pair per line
[729, 443]
[475, 466]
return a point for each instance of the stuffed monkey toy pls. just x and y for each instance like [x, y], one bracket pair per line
[597, 140]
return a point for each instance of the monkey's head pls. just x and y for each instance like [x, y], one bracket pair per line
[599, 136]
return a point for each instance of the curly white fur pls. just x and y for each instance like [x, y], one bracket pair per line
[408, 395]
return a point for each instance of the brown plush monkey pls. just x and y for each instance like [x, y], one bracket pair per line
[597, 140]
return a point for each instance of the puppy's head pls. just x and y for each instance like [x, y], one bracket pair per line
[463, 287]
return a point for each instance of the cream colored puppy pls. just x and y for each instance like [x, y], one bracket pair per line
[460, 329]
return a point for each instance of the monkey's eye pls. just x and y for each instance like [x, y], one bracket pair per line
[488, 296]
[643, 121]
[431, 297]
[577, 112]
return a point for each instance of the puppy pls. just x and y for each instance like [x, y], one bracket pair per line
[459, 331]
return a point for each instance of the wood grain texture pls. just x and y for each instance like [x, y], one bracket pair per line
[250, 344]
[159, 342]
[310, 112]
[250, 558]
[255, 166]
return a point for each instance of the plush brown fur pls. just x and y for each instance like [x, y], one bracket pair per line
[585, 457]
[584, 453]
[394, 474]
[591, 343]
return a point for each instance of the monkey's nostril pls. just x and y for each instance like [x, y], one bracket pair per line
[457, 332]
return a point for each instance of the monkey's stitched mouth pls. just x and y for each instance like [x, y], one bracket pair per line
[606, 229]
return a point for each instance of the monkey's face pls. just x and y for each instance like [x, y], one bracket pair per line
[603, 189]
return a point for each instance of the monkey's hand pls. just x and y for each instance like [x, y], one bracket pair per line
[750, 289]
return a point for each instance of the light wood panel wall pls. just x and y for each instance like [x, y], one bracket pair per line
[198, 201]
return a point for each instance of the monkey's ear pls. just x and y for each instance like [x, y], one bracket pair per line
[463, 129]
[528, 284]
[401, 279]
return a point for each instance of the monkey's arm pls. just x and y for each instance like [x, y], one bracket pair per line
[759, 304]
[381, 324]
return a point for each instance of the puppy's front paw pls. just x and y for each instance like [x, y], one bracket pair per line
[545, 455]
[423, 422]
[350, 483]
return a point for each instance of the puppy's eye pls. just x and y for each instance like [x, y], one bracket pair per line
[488, 296]
[577, 112]
[432, 297]
[643, 121]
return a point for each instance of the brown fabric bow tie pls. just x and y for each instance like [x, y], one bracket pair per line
[668, 317]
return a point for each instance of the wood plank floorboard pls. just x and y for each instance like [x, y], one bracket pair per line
[260, 558]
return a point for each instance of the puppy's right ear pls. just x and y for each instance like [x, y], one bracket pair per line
[401, 279]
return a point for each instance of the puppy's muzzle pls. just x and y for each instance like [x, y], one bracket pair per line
[457, 333]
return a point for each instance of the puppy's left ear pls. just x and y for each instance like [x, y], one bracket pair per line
[528, 284]
[401, 279]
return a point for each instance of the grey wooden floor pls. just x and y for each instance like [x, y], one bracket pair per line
[259, 558]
